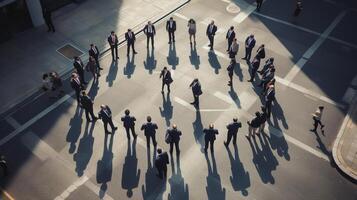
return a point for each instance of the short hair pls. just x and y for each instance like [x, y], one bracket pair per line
[129, 29]
[45, 75]
[257, 114]
[92, 44]
[232, 27]
[165, 67]
[235, 119]
[148, 118]
[112, 32]
[127, 111]
[159, 150]
[171, 18]
[211, 125]
[321, 107]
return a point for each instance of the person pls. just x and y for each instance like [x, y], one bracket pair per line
[260, 52]
[269, 98]
[253, 125]
[77, 86]
[46, 82]
[94, 52]
[210, 137]
[230, 70]
[233, 49]
[87, 104]
[113, 42]
[149, 131]
[171, 28]
[3, 164]
[249, 45]
[317, 119]
[298, 8]
[106, 115]
[166, 79]
[267, 77]
[79, 67]
[196, 91]
[259, 4]
[48, 19]
[232, 131]
[266, 87]
[130, 39]
[150, 32]
[192, 30]
[211, 32]
[263, 119]
[92, 67]
[268, 64]
[129, 124]
[56, 81]
[173, 138]
[161, 162]
[254, 68]
[230, 37]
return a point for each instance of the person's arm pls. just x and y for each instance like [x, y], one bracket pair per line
[153, 29]
[142, 127]
[144, 29]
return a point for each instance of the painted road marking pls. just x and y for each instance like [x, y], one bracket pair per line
[5, 195]
[65, 194]
[244, 12]
[181, 16]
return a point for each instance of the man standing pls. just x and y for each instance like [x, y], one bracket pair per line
[48, 20]
[161, 161]
[87, 104]
[149, 131]
[150, 32]
[173, 136]
[230, 70]
[253, 125]
[254, 68]
[113, 42]
[259, 4]
[260, 52]
[94, 52]
[232, 131]
[230, 36]
[210, 32]
[130, 39]
[269, 98]
[171, 28]
[249, 45]
[298, 8]
[76, 86]
[196, 91]
[79, 66]
[263, 119]
[210, 137]
[317, 119]
[267, 77]
[106, 115]
[166, 79]
[129, 124]
[233, 50]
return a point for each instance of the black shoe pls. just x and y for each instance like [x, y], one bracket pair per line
[250, 80]
[135, 52]
[115, 128]
[313, 130]
[100, 68]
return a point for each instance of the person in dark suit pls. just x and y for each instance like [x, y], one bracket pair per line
[298, 8]
[268, 64]
[171, 28]
[259, 4]
[260, 52]
[149, 131]
[79, 67]
[230, 36]
[150, 32]
[48, 19]
[253, 125]
[267, 77]
[94, 52]
[174, 138]
[130, 39]
[254, 68]
[210, 137]
[232, 131]
[87, 104]
[211, 32]
[269, 98]
[161, 161]
[196, 91]
[106, 115]
[113, 42]
[263, 119]
[76, 86]
[129, 124]
[166, 79]
[230, 70]
[249, 45]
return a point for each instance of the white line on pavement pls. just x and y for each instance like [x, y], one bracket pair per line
[244, 12]
[72, 188]
[181, 16]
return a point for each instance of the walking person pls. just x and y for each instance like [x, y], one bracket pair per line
[171, 28]
[196, 91]
[166, 79]
[113, 42]
[106, 115]
[230, 70]
[317, 119]
[232, 131]
[192, 30]
[3, 164]
[129, 124]
[233, 49]
[298, 8]
[48, 19]
[269, 98]
[211, 32]
[230, 37]
[76, 86]
[94, 52]
[253, 125]
[149, 31]
[149, 131]
[130, 39]
[254, 66]
[210, 137]
[161, 162]
[173, 138]
[87, 104]
[92, 67]
[249, 45]
[260, 52]
[79, 67]
[259, 4]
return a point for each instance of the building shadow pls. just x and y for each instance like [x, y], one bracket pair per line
[240, 178]
[167, 109]
[194, 57]
[233, 94]
[130, 66]
[151, 62]
[179, 190]
[131, 173]
[105, 165]
[238, 72]
[214, 187]
[198, 130]
[112, 74]
[172, 58]
[213, 61]
[75, 129]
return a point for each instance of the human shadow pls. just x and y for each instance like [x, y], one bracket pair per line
[232, 93]
[194, 57]
[112, 74]
[214, 187]
[323, 147]
[172, 58]
[278, 143]
[179, 190]
[85, 149]
[167, 109]
[130, 66]
[198, 130]
[75, 130]
[131, 173]
[240, 178]
[105, 165]
[150, 63]
[213, 61]
[93, 91]
[278, 115]
[238, 71]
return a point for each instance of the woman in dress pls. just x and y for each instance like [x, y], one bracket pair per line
[192, 30]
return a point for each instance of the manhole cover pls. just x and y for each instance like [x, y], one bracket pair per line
[69, 51]
[233, 8]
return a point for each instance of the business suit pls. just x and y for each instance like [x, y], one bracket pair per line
[161, 162]
[249, 45]
[174, 135]
[230, 70]
[166, 79]
[269, 98]
[106, 115]
[130, 39]
[230, 37]
[211, 32]
[87, 104]
[79, 66]
[113, 42]
[259, 4]
[150, 32]
[48, 20]
[94, 52]
[77, 87]
[196, 91]
[260, 52]
[210, 137]
[232, 132]
[149, 132]
[254, 68]
[171, 28]
[129, 125]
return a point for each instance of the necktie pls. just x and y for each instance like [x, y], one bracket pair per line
[94, 50]
[77, 81]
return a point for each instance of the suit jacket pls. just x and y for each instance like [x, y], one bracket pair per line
[196, 88]
[110, 41]
[230, 69]
[146, 30]
[149, 128]
[128, 121]
[255, 123]
[230, 37]
[162, 160]
[251, 44]
[270, 94]
[212, 32]
[79, 67]
[167, 79]
[261, 53]
[86, 102]
[129, 39]
[233, 127]
[174, 134]
[255, 64]
[105, 114]
[210, 133]
[92, 53]
[76, 86]
[171, 29]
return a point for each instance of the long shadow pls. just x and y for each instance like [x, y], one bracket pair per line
[194, 57]
[112, 74]
[85, 149]
[198, 130]
[75, 130]
[105, 165]
[179, 190]
[213, 61]
[130, 66]
[233, 94]
[93, 91]
[151, 62]
[131, 173]
[279, 144]
[323, 147]
[167, 109]
[214, 186]
[172, 58]
[238, 71]
[240, 178]
[277, 114]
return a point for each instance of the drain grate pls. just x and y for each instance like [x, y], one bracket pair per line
[69, 51]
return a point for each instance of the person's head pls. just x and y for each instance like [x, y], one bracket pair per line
[321, 107]
[174, 126]
[262, 46]
[112, 33]
[148, 118]
[171, 19]
[271, 59]
[192, 21]
[75, 57]
[91, 45]
[159, 151]
[272, 69]
[232, 27]
[74, 75]
[257, 114]
[102, 106]
[84, 93]
[235, 119]
[44, 76]
[251, 35]
[127, 112]
[212, 22]
[195, 80]
[149, 22]
[129, 30]
[165, 68]
[211, 126]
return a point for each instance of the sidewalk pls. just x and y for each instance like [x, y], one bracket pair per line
[30, 54]
[345, 147]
